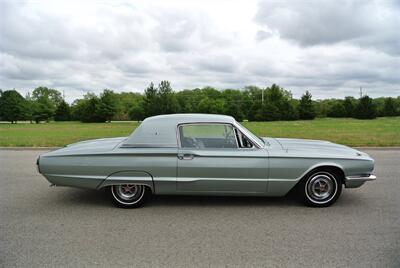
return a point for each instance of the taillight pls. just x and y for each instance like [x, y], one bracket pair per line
[37, 164]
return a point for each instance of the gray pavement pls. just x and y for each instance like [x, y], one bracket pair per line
[42, 226]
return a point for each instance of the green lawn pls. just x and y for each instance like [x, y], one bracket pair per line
[379, 132]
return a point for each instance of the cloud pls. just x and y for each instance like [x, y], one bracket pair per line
[329, 47]
[262, 35]
[316, 22]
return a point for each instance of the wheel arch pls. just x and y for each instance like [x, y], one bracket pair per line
[129, 177]
[303, 192]
[337, 169]
[333, 167]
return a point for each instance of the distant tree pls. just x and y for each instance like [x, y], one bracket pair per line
[126, 101]
[255, 112]
[219, 106]
[306, 107]
[43, 110]
[87, 109]
[63, 112]
[1, 93]
[365, 108]
[107, 106]
[288, 110]
[12, 106]
[349, 103]
[77, 109]
[91, 110]
[186, 101]
[274, 98]
[212, 93]
[389, 108]
[379, 104]
[204, 105]
[253, 92]
[53, 95]
[270, 112]
[338, 109]
[322, 108]
[46, 100]
[235, 110]
[230, 102]
[167, 102]
[278, 104]
[151, 101]
[29, 108]
[252, 105]
[136, 113]
[275, 94]
[397, 103]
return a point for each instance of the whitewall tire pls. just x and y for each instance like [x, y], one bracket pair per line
[129, 195]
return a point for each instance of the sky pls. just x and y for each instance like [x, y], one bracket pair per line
[331, 48]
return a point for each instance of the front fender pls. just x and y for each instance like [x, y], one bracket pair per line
[285, 173]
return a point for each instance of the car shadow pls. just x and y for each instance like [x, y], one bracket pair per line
[73, 196]
[221, 201]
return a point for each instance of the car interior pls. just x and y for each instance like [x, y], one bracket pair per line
[212, 136]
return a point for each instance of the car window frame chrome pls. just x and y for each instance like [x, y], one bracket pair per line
[244, 132]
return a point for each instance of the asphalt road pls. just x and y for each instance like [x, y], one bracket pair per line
[42, 226]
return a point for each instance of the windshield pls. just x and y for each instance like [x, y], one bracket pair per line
[250, 134]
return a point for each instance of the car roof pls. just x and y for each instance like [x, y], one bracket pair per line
[160, 130]
[191, 118]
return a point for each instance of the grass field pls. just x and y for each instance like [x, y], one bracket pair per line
[379, 132]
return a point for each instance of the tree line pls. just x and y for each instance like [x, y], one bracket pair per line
[251, 103]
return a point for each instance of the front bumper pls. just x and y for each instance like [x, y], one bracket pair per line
[357, 181]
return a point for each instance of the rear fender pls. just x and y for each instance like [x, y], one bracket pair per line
[129, 177]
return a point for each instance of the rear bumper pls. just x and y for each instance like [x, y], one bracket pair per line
[357, 181]
[37, 164]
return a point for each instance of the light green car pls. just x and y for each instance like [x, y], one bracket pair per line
[204, 154]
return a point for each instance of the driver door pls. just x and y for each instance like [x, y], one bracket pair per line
[211, 159]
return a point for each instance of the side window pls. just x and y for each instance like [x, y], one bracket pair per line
[207, 136]
[243, 141]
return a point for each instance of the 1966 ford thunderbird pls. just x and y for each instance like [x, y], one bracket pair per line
[206, 154]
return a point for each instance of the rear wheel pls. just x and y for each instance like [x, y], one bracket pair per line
[321, 188]
[129, 195]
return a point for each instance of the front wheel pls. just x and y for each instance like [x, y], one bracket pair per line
[129, 195]
[321, 189]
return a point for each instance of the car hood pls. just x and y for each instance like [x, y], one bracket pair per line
[88, 147]
[310, 144]
[315, 148]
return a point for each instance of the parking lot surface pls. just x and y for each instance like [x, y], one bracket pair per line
[42, 226]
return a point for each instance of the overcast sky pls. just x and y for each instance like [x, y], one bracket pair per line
[329, 47]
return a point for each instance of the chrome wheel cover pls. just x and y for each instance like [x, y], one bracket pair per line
[321, 188]
[128, 194]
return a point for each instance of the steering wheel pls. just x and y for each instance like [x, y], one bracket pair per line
[230, 139]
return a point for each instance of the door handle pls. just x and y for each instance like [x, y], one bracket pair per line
[185, 156]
